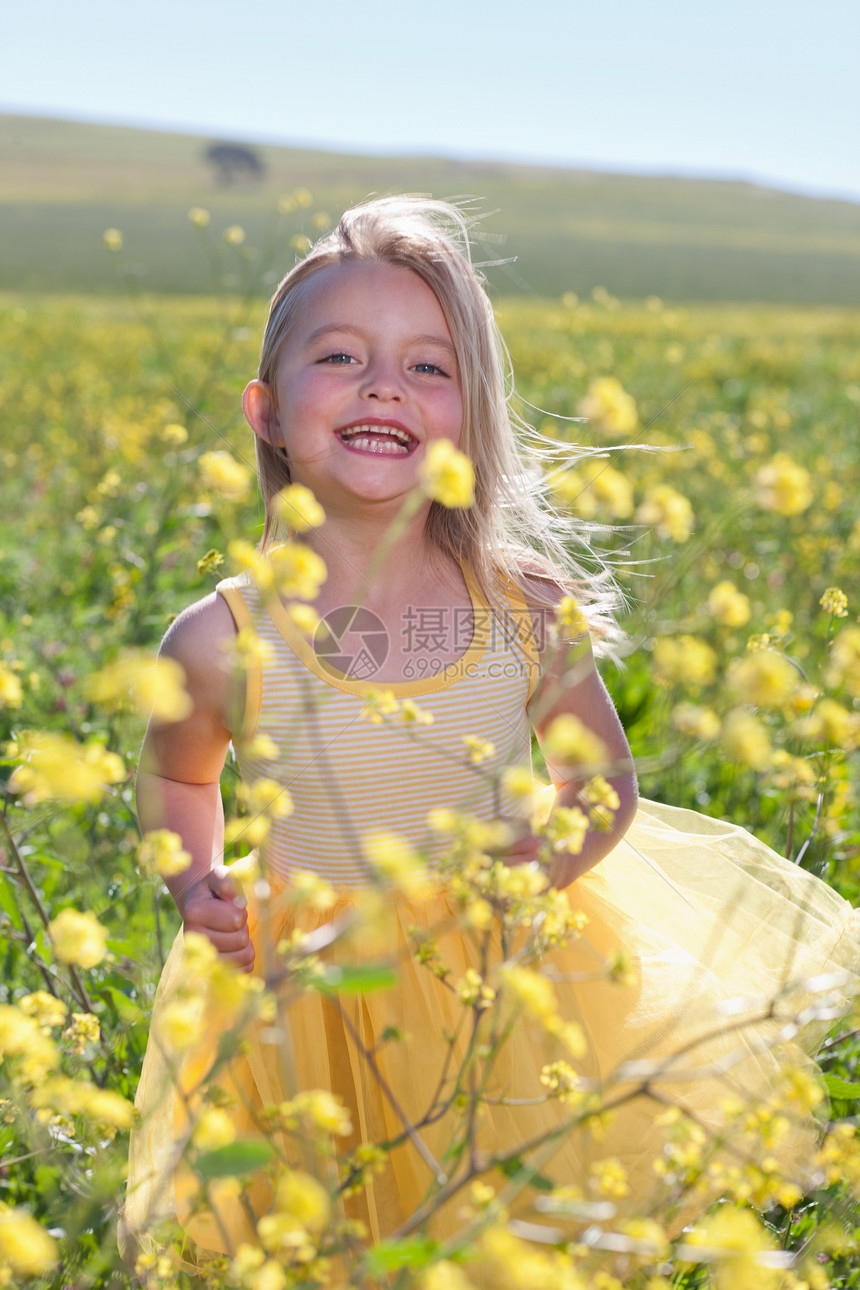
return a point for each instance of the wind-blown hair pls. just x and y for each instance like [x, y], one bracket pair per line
[510, 531]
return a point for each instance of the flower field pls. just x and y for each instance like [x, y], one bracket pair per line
[719, 472]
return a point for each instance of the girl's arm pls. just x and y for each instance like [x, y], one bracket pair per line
[178, 783]
[570, 684]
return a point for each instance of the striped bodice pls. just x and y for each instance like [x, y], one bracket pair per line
[349, 776]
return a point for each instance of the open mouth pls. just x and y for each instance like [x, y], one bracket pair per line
[390, 441]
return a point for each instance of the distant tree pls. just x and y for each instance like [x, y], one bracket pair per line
[234, 162]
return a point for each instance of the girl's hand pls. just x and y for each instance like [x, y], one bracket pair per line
[214, 908]
[522, 850]
[529, 848]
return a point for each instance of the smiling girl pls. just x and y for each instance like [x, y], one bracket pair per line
[380, 346]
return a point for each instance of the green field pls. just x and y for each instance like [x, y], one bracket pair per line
[108, 404]
[63, 183]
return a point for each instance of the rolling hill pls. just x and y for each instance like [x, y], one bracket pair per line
[63, 183]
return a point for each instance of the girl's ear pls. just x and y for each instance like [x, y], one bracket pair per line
[258, 404]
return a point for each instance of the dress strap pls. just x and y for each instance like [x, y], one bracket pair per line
[230, 589]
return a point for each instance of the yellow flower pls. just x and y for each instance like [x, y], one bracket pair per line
[783, 486]
[701, 723]
[731, 1239]
[612, 491]
[85, 1029]
[668, 511]
[445, 1275]
[728, 605]
[210, 561]
[309, 889]
[596, 488]
[570, 618]
[447, 475]
[48, 1011]
[566, 829]
[684, 660]
[220, 472]
[302, 1198]
[79, 1097]
[262, 746]
[562, 1081]
[214, 1129]
[506, 1262]
[112, 239]
[609, 407]
[174, 434]
[305, 618]
[11, 691]
[78, 938]
[178, 1024]
[199, 217]
[609, 1177]
[570, 742]
[22, 1036]
[763, 678]
[57, 766]
[266, 797]
[234, 235]
[145, 684]
[532, 990]
[745, 739]
[845, 660]
[830, 720]
[835, 602]
[250, 832]
[269, 1276]
[321, 1109]
[473, 991]
[414, 716]
[296, 508]
[161, 852]
[248, 651]
[392, 857]
[297, 571]
[479, 750]
[26, 1249]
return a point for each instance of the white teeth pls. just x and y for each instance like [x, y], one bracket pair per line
[371, 438]
[357, 434]
[393, 448]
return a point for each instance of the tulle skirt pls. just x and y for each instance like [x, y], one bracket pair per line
[706, 967]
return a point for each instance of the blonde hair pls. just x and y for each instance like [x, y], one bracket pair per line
[510, 532]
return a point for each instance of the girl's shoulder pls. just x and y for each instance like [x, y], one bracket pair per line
[201, 640]
[584, 608]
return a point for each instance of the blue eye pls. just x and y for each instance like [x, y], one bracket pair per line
[429, 368]
[337, 359]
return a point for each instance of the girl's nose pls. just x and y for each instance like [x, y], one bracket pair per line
[382, 382]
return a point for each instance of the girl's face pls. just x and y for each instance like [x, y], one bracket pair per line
[366, 379]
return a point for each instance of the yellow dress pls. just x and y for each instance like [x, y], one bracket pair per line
[706, 964]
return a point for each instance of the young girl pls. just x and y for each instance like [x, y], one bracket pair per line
[441, 655]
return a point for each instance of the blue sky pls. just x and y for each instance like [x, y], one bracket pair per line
[762, 90]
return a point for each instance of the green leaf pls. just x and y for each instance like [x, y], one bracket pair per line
[356, 980]
[9, 903]
[841, 1089]
[245, 1156]
[411, 1252]
[516, 1165]
[127, 1009]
